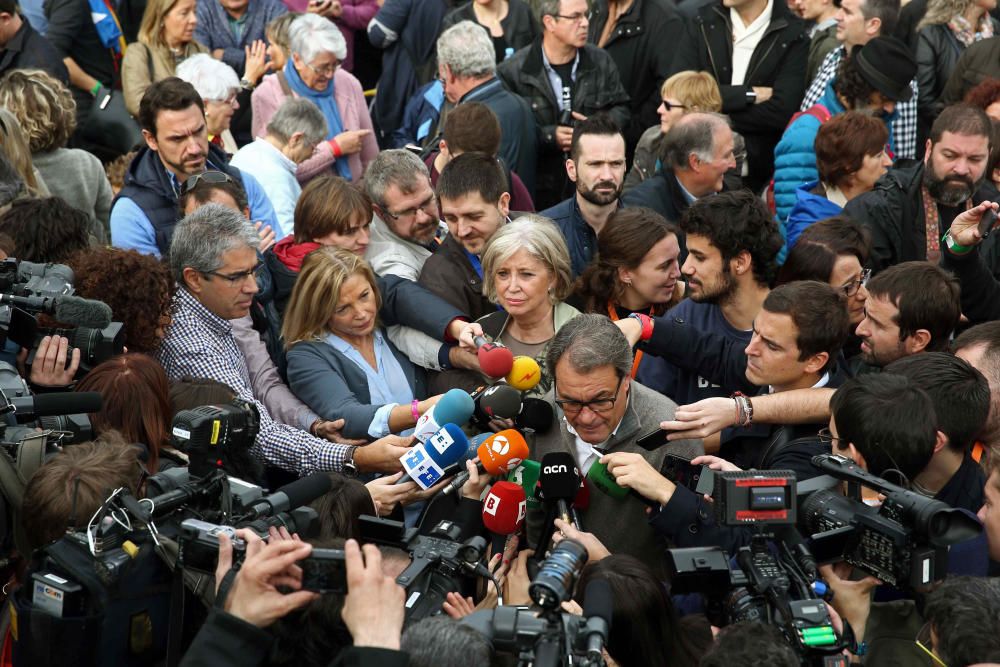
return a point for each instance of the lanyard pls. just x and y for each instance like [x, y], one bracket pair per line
[613, 314]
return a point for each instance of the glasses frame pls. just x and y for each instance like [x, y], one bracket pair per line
[209, 176]
[574, 18]
[235, 279]
[412, 213]
[565, 403]
[323, 72]
[669, 106]
[851, 289]
[826, 436]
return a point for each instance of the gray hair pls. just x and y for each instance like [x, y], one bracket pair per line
[395, 166]
[310, 35]
[203, 237]
[439, 641]
[547, 8]
[213, 79]
[542, 239]
[591, 341]
[297, 114]
[467, 50]
[693, 133]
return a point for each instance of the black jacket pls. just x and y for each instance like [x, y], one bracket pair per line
[894, 212]
[978, 62]
[520, 27]
[597, 87]
[29, 50]
[637, 46]
[778, 62]
[449, 274]
[980, 291]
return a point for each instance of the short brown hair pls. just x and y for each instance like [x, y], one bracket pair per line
[170, 94]
[73, 484]
[962, 119]
[472, 127]
[819, 313]
[844, 141]
[329, 204]
[926, 296]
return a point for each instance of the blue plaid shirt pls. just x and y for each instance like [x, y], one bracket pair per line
[904, 128]
[199, 343]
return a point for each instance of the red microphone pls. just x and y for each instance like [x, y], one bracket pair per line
[504, 508]
[495, 359]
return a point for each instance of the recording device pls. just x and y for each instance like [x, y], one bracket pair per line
[987, 222]
[504, 508]
[455, 407]
[324, 571]
[32, 278]
[558, 574]
[426, 463]
[497, 455]
[209, 434]
[524, 373]
[654, 439]
[498, 401]
[904, 542]
[680, 471]
[560, 482]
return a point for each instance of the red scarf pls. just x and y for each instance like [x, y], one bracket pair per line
[291, 254]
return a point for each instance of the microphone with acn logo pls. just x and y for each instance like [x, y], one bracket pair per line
[560, 482]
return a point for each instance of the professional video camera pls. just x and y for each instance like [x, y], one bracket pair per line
[210, 435]
[903, 542]
[546, 637]
[774, 580]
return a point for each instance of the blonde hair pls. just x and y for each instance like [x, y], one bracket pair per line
[151, 28]
[317, 292]
[697, 91]
[14, 145]
[43, 105]
[940, 12]
[542, 239]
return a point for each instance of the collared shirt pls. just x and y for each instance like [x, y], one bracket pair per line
[822, 26]
[904, 128]
[556, 81]
[199, 343]
[684, 191]
[236, 26]
[387, 385]
[745, 40]
[822, 382]
[586, 453]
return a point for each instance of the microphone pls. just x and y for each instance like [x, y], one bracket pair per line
[66, 308]
[497, 455]
[560, 482]
[296, 494]
[524, 373]
[598, 609]
[495, 359]
[499, 400]
[526, 474]
[604, 481]
[536, 414]
[27, 408]
[504, 508]
[425, 463]
[455, 407]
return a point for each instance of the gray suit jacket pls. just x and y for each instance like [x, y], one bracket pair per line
[620, 524]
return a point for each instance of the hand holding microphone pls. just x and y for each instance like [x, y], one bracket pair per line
[454, 407]
[494, 358]
[633, 472]
[560, 482]
[504, 508]
[425, 463]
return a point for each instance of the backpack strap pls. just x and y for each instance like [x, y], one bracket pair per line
[283, 82]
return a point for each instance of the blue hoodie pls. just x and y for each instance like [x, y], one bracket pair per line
[809, 208]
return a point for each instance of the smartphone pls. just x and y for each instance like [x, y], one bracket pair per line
[653, 439]
[324, 571]
[987, 222]
[680, 471]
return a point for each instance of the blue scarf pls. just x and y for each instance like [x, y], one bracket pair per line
[327, 104]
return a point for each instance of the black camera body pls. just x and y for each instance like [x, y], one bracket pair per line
[209, 433]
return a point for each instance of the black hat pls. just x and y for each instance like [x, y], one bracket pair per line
[888, 66]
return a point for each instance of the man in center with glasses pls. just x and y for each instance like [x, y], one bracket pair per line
[177, 152]
[602, 410]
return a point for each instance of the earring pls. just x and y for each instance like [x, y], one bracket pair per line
[628, 282]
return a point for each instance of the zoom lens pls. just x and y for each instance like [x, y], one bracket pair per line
[557, 577]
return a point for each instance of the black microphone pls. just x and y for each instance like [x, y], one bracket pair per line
[598, 609]
[560, 482]
[296, 494]
[27, 408]
[66, 308]
[536, 414]
[496, 401]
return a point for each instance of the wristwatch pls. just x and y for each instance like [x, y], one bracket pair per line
[350, 468]
[246, 84]
[751, 97]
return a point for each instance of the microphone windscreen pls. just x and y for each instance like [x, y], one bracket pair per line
[502, 452]
[500, 400]
[604, 481]
[455, 407]
[306, 489]
[598, 600]
[495, 360]
[66, 403]
[536, 414]
[526, 474]
[447, 446]
[560, 478]
[504, 508]
[524, 373]
[82, 312]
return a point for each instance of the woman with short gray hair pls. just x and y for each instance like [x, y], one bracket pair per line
[219, 87]
[313, 72]
[526, 271]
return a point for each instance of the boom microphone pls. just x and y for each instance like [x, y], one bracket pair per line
[27, 408]
[598, 608]
[66, 308]
[504, 508]
[455, 407]
[425, 463]
[524, 373]
[499, 454]
[296, 494]
[495, 359]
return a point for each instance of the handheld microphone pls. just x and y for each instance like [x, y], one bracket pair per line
[598, 609]
[524, 373]
[536, 414]
[526, 474]
[495, 359]
[425, 463]
[455, 407]
[497, 401]
[504, 508]
[66, 308]
[27, 408]
[497, 455]
[604, 481]
[296, 494]
[560, 482]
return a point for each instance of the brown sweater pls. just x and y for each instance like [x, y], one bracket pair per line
[143, 65]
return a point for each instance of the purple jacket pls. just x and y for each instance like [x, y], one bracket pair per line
[356, 16]
[353, 109]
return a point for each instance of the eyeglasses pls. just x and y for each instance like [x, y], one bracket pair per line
[669, 106]
[327, 70]
[851, 288]
[826, 436]
[235, 279]
[208, 177]
[572, 18]
[923, 640]
[231, 100]
[598, 405]
[429, 207]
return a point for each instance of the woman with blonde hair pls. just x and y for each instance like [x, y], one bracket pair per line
[45, 109]
[14, 146]
[947, 29]
[683, 93]
[341, 363]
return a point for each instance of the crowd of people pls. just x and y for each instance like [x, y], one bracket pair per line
[760, 227]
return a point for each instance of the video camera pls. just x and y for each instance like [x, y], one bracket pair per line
[211, 435]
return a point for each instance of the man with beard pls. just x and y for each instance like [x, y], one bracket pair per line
[597, 165]
[911, 207]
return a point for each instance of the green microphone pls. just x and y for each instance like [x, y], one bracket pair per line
[526, 474]
[599, 476]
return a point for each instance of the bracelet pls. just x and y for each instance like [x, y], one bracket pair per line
[335, 147]
[96, 89]
[744, 410]
[952, 246]
[413, 410]
[647, 325]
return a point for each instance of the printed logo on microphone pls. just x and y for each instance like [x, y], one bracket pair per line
[500, 445]
[522, 510]
[490, 504]
[441, 441]
[421, 468]
[555, 470]
[511, 464]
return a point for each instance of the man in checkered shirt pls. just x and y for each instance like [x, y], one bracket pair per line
[213, 257]
[858, 22]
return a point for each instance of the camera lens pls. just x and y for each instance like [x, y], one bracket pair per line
[557, 576]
